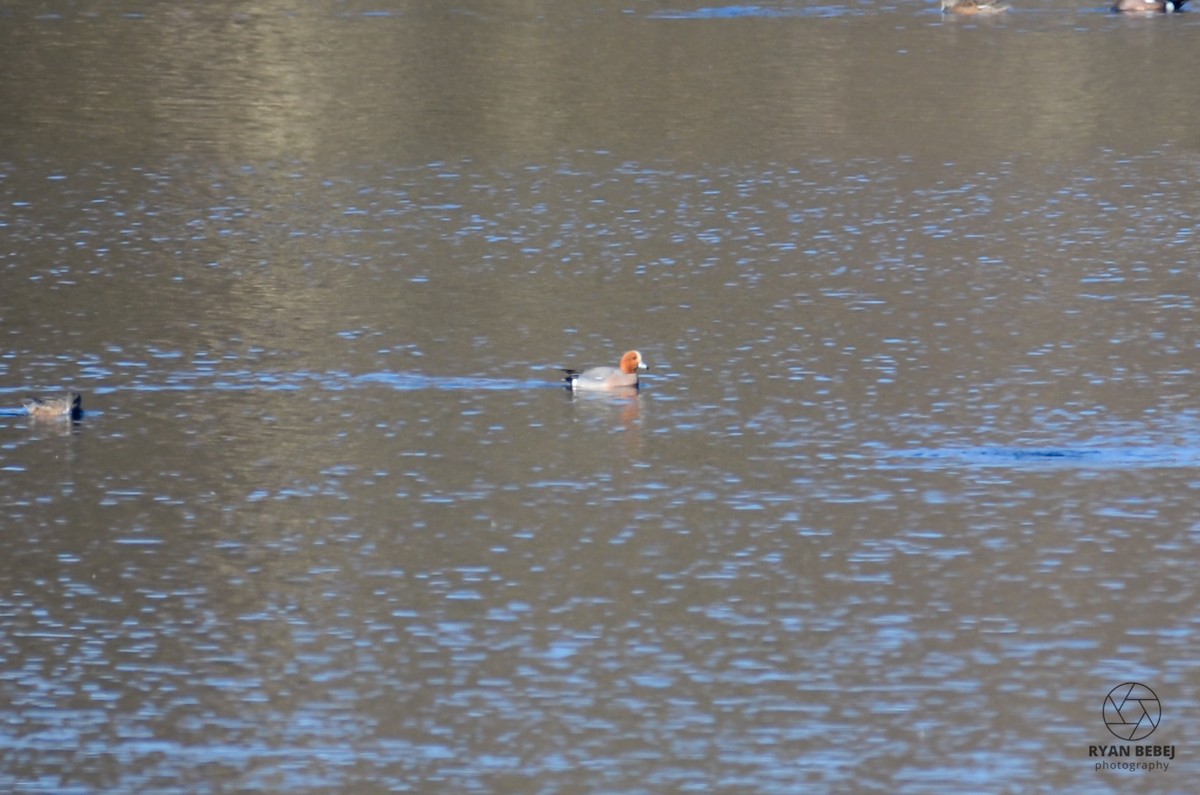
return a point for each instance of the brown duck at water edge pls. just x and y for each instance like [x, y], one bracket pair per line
[981, 7]
[69, 405]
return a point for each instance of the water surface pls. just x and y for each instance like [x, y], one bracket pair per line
[909, 488]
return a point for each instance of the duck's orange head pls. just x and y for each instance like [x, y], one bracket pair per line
[631, 362]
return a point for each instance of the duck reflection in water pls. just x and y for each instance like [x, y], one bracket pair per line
[69, 406]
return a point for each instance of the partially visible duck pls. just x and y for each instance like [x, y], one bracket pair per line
[605, 379]
[69, 405]
[1147, 6]
[977, 6]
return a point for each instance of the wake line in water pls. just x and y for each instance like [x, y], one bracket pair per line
[762, 12]
[1046, 457]
[413, 381]
[248, 380]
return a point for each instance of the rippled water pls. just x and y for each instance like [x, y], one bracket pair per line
[909, 487]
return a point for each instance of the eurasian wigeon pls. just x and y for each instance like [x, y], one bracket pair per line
[974, 6]
[623, 377]
[1147, 6]
[69, 405]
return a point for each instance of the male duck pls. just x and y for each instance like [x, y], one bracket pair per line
[606, 379]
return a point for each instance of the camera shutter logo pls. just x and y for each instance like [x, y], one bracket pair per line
[1131, 711]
